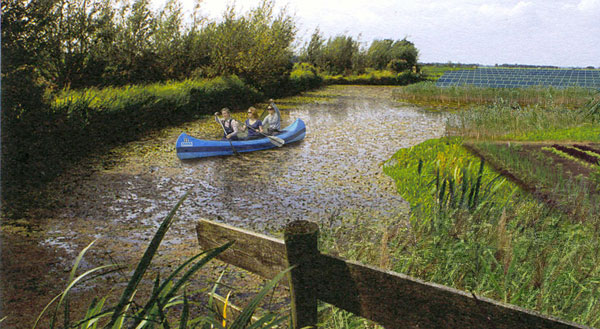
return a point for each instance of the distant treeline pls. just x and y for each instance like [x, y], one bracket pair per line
[344, 55]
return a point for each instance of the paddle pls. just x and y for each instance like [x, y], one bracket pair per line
[225, 132]
[274, 140]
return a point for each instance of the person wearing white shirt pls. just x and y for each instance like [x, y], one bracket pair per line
[272, 122]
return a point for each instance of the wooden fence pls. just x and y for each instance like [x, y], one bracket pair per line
[390, 299]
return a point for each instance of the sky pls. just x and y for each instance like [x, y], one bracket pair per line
[564, 33]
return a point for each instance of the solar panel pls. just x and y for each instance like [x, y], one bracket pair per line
[519, 78]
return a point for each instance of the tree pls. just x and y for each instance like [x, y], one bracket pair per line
[397, 56]
[314, 50]
[168, 41]
[338, 54]
[256, 47]
[379, 53]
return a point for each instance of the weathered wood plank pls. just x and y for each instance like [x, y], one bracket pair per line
[251, 251]
[395, 300]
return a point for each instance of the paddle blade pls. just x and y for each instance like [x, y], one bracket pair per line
[276, 141]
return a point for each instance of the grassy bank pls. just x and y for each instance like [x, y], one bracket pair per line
[373, 77]
[76, 123]
[473, 230]
[504, 121]
[428, 94]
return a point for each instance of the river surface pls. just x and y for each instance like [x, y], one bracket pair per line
[121, 199]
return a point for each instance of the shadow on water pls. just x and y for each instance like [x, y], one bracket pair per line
[336, 169]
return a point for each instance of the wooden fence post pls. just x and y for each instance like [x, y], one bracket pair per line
[301, 248]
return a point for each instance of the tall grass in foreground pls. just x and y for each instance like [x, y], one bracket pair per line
[506, 246]
[157, 311]
[427, 93]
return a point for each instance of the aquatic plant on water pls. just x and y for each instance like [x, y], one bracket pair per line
[164, 299]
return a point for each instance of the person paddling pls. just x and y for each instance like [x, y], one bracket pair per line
[253, 124]
[230, 125]
[272, 122]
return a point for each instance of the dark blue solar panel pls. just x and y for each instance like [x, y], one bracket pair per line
[511, 78]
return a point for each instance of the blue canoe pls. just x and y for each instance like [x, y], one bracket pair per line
[189, 147]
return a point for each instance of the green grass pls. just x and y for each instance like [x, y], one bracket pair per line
[503, 121]
[434, 72]
[506, 246]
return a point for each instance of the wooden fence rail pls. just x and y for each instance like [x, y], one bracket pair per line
[390, 299]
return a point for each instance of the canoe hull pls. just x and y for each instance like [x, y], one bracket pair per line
[189, 147]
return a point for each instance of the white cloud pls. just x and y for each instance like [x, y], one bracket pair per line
[589, 5]
[496, 10]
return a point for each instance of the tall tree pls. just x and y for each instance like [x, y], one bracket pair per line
[397, 55]
[168, 41]
[338, 54]
[314, 49]
[256, 46]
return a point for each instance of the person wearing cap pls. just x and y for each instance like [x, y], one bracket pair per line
[230, 125]
[253, 124]
[272, 122]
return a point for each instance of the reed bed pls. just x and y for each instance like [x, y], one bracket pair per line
[427, 93]
[504, 121]
[504, 246]
[374, 77]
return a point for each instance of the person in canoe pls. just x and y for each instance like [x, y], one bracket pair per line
[253, 124]
[272, 122]
[230, 125]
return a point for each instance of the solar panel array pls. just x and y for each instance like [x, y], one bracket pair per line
[521, 78]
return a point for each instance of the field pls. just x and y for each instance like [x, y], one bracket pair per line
[565, 175]
[508, 204]
[429, 95]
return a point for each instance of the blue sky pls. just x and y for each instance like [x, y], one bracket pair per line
[560, 33]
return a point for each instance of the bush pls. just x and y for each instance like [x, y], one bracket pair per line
[375, 78]
[304, 77]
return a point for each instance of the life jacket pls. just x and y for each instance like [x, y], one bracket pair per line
[228, 128]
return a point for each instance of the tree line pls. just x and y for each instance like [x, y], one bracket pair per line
[344, 55]
[95, 43]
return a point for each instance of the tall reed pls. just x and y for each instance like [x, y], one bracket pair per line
[501, 120]
[427, 93]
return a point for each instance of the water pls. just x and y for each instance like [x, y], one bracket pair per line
[335, 171]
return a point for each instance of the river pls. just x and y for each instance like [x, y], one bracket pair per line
[120, 199]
